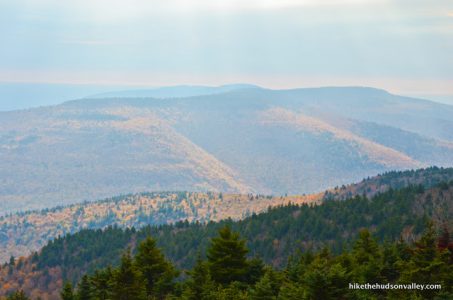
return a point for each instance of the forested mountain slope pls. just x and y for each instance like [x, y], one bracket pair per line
[273, 236]
[239, 139]
[22, 233]
[371, 186]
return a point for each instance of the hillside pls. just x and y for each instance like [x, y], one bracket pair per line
[273, 235]
[180, 91]
[234, 139]
[22, 233]
[371, 186]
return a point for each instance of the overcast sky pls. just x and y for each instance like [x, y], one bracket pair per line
[405, 46]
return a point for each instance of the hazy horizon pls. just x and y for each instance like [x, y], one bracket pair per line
[401, 46]
[16, 96]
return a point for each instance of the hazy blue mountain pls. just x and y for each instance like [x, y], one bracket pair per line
[246, 139]
[174, 91]
[15, 96]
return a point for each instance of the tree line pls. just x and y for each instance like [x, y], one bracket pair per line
[281, 245]
[226, 272]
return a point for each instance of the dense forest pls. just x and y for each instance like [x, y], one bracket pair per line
[370, 186]
[24, 232]
[225, 272]
[274, 237]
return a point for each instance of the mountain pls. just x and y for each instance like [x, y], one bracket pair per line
[180, 91]
[243, 140]
[274, 236]
[18, 95]
[24, 232]
[372, 186]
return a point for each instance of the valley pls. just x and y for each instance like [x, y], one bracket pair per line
[236, 139]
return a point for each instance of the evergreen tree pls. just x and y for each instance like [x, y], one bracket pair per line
[67, 293]
[403, 250]
[325, 279]
[367, 257]
[291, 290]
[227, 257]
[320, 275]
[101, 282]
[127, 282]
[426, 248]
[84, 289]
[18, 295]
[426, 265]
[391, 263]
[12, 263]
[234, 291]
[199, 284]
[158, 272]
[298, 264]
[268, 287]
[255, 270]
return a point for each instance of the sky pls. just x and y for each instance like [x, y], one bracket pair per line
[404, 46]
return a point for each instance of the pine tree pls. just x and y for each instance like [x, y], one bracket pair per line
[298, 264]
[325, 278]
[127, 282]
[426, 265]
[101, 281]
[391, 263]
[268, 287]
[234, 291]
[426, 248]
[291, 290]
[403, 249]
[158, 272]
[18, 295]
[84, 289]
[367, 256]
[199, 284]
[67, 293]
[227, 257]
[255, 270]
[12, 263]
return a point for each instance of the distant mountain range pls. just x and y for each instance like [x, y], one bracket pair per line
[180, 91]
[232, 139]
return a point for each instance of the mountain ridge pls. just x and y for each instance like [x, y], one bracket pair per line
[23, 232]
[177, 91]
[90, 149]
[273, 235]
